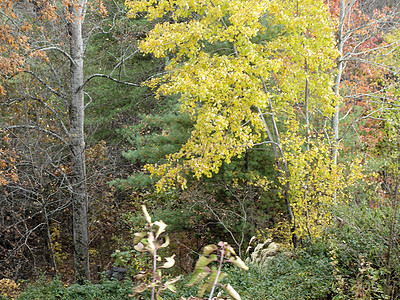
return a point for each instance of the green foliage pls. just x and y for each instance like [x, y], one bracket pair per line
[356, 259]
[152, 139]
[211, 275]
[114, 52]
[207, 270]
[158, 135]
[56, 290]
[131, 260]
[168, 132]
[365, 244]
[306, 274]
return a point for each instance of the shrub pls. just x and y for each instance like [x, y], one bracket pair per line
[304, 276]
[367, 248]
[107, 289]
[208, 272]
[9, 289]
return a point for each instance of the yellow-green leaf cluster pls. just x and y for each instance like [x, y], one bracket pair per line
[314, 183]
[226, 73]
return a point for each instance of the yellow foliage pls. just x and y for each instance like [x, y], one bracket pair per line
[220, 91]
[229, 89]
[314, 186]
[60, 256]
[9, 288]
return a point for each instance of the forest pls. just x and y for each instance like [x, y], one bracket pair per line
[199, 149]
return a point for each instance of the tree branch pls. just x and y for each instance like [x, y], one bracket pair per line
[44, 83]
[57, 49]
[49, 132]
[54, 112]
[108, 77]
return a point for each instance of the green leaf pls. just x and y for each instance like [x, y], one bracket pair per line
[202, 262]
[213, 257]
[210, 281]
[197, 277]
[209, 249]
[202, 289]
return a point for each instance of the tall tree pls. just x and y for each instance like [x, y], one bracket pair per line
[253, 90]
[56, 34]
[77, 141]
[362, 76]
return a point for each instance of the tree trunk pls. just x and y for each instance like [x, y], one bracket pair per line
[336, 87]
[77, 146]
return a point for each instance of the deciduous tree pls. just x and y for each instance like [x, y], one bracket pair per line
[48, 80]
[363, 77]
[249, 73]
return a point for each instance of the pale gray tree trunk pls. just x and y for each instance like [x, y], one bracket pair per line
[77, 145]
[344, 10]
[336, 87]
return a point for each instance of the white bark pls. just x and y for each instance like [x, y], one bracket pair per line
[336, 87]
[77, 146]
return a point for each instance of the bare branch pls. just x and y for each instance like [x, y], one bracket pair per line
[108, 77]
[44, 83]
[54, 112]
[123, 59]
[358, 120]
[57, 49]
[90, 100]
[34, 127]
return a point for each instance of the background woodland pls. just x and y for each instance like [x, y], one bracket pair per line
[270, 125]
